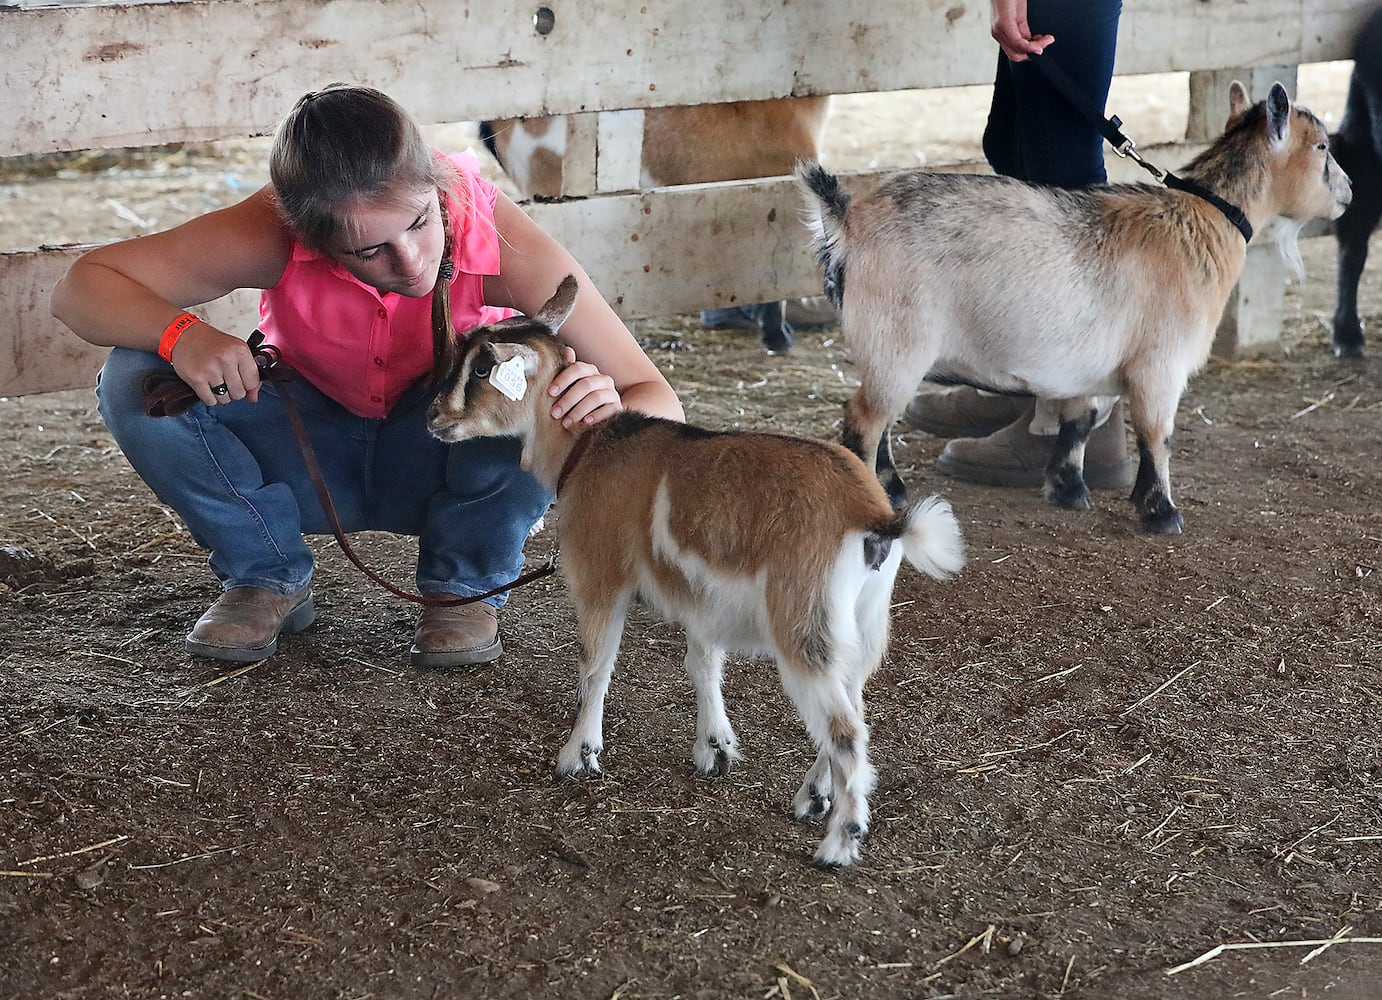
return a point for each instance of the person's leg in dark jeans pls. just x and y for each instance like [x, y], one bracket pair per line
[1035, 134]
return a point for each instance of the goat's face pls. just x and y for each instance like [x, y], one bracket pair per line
[488, 392]
[497, 384]
[1306, 181]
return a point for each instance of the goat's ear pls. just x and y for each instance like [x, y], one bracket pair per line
[502, 352]
[1238, 101]
[553, 314]
[1278, 115]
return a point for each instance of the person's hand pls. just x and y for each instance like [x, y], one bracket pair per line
[1008, 25]
[206, 359]
[584, 394]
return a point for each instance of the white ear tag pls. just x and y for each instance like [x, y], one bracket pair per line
[510, 379]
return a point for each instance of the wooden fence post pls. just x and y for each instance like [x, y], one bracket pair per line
[1251, 323]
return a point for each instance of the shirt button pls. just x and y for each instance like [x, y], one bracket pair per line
[383, 313]
[379, 362]
[376, 399]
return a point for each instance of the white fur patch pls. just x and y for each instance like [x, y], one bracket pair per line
[510, 378]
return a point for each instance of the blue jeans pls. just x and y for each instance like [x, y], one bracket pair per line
[235, 476]
[1033, 132]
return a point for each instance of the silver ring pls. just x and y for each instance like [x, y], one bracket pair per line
[221, 389]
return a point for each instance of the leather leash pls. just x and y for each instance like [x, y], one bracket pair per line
[167, 395]
[1111, 129]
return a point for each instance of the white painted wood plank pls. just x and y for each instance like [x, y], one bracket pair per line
[1328, 28]
[579, 160]
[620, 151]
[657, 253]
[39, 354]
[146, 74]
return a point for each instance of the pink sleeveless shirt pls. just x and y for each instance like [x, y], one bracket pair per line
[364, 349]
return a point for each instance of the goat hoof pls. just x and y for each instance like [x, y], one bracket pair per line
[1347, 337]
[1164, 522]
[1070, 495]
[836, 852]
[580, 761]
[714, 756]
[717, 768]
[810, 806]
[779, 340]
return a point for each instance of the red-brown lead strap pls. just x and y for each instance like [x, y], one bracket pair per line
[167, 395]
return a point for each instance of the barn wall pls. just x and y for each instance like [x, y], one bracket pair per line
[147, 74]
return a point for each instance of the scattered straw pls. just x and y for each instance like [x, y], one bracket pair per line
[1065, 980]
[984, 939]
[788, 972]
[1163, 687]
[184, 860]
[1315, 404]
[1318, 945]
[1035, 746]
[103, 656]
[222, 678]
[69, 854]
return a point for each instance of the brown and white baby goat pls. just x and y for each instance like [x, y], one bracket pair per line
[755, 543]
[1061, 294]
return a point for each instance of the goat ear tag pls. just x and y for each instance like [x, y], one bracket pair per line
[510, 378]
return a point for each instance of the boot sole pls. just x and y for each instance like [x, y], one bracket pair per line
[442, 658]
[950, 431]
[297, 620]
[1116, 476]
[975, 428]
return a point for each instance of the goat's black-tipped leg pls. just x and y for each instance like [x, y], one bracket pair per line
[1150, 496]
[777, 333]
[888, 474]
[1065, 485]
[1160, 516]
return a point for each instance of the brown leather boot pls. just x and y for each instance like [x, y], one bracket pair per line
[244, 624]
[1014, 456]
[964, 412]
[816, 311]
[456, 636]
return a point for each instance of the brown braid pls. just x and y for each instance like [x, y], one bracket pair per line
[443, 336]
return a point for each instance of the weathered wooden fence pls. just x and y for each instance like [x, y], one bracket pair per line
[101, 76]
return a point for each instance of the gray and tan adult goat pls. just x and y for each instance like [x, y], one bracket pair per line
[1115, 289]
[755, 543]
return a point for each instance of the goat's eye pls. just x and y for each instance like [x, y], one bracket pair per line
[1323, 145]
[480, 372]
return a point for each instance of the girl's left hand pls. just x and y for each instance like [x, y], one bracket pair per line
[584, 394]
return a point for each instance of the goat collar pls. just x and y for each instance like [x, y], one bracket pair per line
[1111, 128]
[574, 456]
[1231, 211]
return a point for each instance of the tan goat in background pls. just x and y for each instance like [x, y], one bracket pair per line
[698, 144]
[756, 543]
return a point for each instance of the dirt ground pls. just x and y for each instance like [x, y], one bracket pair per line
[1101, 755]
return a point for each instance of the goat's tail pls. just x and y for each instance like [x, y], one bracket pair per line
[490, 138]
[826, 206]
[931, 540]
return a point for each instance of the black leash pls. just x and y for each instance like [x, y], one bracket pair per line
[1111, 129]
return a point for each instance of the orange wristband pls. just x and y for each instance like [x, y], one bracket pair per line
[170, 336]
